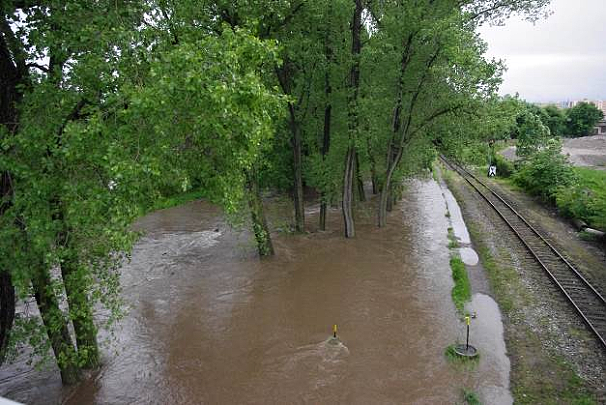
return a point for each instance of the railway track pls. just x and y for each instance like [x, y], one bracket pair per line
[585, 299]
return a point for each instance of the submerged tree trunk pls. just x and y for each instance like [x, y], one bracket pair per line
[56, 327]
[13, 77]
[325, 147]
[259, 222]
[326, 132]
[352, 115]
[347, 202]
[7, 311]
[74, 280]
[297, 171]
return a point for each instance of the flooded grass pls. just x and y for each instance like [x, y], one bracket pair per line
[470, 397]
[453, 243]
[465, 363]
[461, 292]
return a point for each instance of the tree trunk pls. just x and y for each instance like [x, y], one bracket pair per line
[297, 170]
[326, 133]
[347, 203]
[359, 180]
[56, 327]
[384, 201]
[81, 312]
[373, 169]
[13, 75]
[352, 115]
[7, 311]
[259, 223]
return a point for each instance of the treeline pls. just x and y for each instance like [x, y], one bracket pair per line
[540, 167]
[576, 121]
[108, 105]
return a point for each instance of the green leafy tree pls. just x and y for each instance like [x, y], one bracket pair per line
[531, 134]
[582, 118]
[117, 113]
[555, 120]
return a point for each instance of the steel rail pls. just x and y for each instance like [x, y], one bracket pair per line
[585, 315]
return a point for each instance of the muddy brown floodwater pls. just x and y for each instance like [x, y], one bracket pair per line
[211, 323]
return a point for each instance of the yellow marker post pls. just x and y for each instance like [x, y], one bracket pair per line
[468, 321]
[334, 331]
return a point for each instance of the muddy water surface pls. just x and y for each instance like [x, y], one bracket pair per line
[211, 323]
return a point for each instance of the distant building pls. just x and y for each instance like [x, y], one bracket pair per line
[600, 104]
[600, 128]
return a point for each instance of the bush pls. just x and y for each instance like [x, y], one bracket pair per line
[545, 172]
[505, 168]
[586, 199]
[573, 202]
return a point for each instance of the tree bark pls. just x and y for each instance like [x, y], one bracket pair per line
[297, 171]
[56, 327]
[284, 78]
[347, 198]
[359, 180]
[259, 222]
[326, 132]
[352, 106]
[386, 189]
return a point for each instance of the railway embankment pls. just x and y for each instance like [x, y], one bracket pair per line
[554, 356]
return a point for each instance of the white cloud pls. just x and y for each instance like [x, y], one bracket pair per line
[563, 57]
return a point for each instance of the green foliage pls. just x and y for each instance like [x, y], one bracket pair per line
[586, 198]
[581, 119]
[555, 120]
[144, 101]
[471, 398]
[505, 168]
[530, 133]
[106, 136]
[545, 172]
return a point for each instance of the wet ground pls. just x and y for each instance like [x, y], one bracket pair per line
[211, 323]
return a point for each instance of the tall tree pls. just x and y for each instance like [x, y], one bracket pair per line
[582, 118]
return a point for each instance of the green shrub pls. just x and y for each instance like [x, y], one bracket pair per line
[573, 202]
[586, 198]
[505, 168]
[545, 172]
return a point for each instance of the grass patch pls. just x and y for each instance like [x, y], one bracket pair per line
[471, 398]
[465, 363]
[461, 292]
[173, 201]
[595, 180]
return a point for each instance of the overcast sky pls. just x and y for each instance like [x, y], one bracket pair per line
[559, 58]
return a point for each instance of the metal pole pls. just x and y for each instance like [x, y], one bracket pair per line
[467, 345]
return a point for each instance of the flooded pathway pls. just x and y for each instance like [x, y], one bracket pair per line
[211, 323]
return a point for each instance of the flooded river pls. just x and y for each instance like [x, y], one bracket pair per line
[209, 322]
